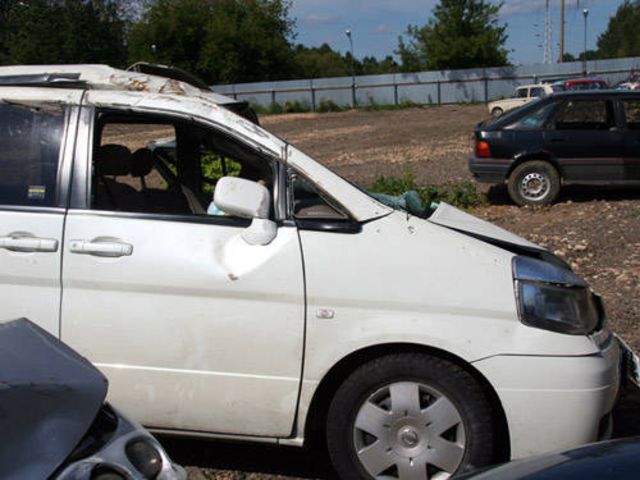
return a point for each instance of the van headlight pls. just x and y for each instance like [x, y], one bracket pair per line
[554, 298]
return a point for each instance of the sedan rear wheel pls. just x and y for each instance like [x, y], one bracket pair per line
[409, 417]
[534, 183]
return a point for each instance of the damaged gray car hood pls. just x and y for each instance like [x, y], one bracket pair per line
[447, 216]
[49, 397]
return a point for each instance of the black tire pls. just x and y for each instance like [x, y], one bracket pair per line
[453, 382]
[538, 171]
[497, 112]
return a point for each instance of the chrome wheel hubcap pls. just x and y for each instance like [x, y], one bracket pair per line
[409, 431]
[534, 186]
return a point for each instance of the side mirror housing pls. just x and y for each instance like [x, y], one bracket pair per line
[246, 199]
[242, 198]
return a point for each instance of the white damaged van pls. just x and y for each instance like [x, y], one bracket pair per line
[230, 286]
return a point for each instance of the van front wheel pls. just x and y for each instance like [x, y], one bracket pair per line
[410, 417]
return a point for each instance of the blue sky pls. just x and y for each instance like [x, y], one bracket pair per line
[376, 24]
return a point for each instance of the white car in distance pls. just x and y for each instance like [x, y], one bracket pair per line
[524, 95]
[230, 286]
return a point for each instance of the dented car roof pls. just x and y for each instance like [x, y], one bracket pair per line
[104, 77]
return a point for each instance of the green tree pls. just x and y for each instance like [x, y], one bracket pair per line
[461, 34]
[320, 61]
[621, 38]
[62, 31]
[323, 61]
[218, 40]
[589, 54]
[373, 66]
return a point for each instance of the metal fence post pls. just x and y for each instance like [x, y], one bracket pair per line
[354, 102]
[313, 96]
[395, 90]
[273, 97]
[486, 86]
[439, 93]
[233, 92]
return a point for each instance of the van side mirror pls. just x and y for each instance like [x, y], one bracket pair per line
[246, 199]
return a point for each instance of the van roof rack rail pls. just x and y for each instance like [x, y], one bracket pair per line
[57, 80]
[170, 72]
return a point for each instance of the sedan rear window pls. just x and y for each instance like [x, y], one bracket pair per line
[534, 120]
[30, 139]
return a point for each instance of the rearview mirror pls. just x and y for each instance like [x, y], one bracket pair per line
[246, 199]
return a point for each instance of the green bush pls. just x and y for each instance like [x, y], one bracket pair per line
[459, 194]
[296, 106]
[374, 106]
[275, 108]
[394, 185]
[327, 105]
[258, 108]
[212, 169]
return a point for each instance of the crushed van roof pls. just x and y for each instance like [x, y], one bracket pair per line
[104, 77]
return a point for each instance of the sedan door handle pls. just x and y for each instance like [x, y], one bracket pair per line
[22, 242]
[101, 248]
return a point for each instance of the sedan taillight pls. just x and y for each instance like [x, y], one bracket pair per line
[482, 149]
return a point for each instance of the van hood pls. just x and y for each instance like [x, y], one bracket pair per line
[455, 219]
[49, 397]
[447, 216]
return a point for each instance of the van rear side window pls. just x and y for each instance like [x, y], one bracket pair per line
[30, 139]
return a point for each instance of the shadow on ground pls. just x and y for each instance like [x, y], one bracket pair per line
[293, 462]
[249, 458]
[498, 195]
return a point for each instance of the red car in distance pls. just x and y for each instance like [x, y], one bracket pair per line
[586, 84]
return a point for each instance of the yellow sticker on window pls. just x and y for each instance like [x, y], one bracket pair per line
[36, 192]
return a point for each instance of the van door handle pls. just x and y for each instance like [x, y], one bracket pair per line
[101, 248]
[24, 242]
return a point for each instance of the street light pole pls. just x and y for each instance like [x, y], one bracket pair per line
[561, 31]
[585, 12]
[353, 70]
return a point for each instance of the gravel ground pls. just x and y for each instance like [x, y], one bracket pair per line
[433, 142]
[597, 231]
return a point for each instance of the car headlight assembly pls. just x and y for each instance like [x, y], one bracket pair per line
[144, 457]
[554, 298]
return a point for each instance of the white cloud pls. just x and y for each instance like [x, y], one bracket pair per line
[319, 19]
[383, 29]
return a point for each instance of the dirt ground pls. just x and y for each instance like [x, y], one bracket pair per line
[433, 142]
[597, 231]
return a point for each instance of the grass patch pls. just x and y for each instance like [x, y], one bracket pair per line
[463, 195]
[327, 106]
[374, 106]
